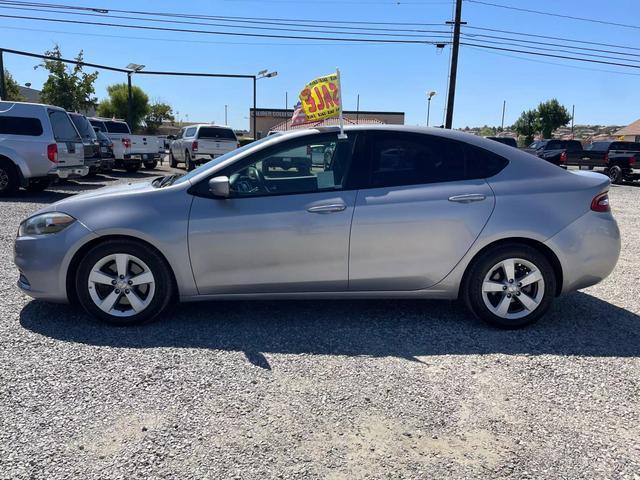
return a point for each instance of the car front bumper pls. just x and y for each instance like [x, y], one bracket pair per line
[43, 261]
[588, 250]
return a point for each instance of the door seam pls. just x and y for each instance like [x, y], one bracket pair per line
[355, 202]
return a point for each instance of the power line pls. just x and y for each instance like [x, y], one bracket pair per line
[237, 34]
[250, 27]
[551, 55]
[550, 14]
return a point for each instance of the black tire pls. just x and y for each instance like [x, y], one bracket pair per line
[38, 184]
[188, 161]
[151, 165]
[162, 294]
[172, 160]
[615, 174]
[472, 293]
[132, 168]
[9, 180]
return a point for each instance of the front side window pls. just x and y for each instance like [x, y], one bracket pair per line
[312, 164]
[411, 159]
[63, 129]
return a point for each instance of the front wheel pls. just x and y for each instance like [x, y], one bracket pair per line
[173, 163]
[510, 286]
[187, 160]
[9, 181]
[123, 282]
[615, 174]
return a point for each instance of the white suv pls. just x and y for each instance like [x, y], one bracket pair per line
[198, 144]
[37, 143]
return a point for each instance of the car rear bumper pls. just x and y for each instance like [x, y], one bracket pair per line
[69, 172]
[143, 157]
[43, 261]
[588, 250]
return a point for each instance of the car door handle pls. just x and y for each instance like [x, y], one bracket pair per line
[329, 208]
[468, 198]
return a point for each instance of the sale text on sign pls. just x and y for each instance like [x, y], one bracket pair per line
[321, 98]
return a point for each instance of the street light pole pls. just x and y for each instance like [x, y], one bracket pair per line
[2, 80]
[430, 95]
[225, 115]
[129, 103]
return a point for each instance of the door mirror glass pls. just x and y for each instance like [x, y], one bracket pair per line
[219, 187]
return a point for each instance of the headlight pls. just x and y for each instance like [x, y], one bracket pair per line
[45, 224]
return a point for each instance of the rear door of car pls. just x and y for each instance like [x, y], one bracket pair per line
[424, 205]
[70, 147]
[215, 141]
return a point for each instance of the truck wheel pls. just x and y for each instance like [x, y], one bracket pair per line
[151, 165]
[615, 174]
[188, 161]
[38, 184]
[9, 181]
[172, 160]
[132, 168]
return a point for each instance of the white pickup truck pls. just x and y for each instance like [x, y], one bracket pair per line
[131, 151]
[197, 144]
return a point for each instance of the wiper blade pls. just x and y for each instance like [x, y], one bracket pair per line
[168, 180]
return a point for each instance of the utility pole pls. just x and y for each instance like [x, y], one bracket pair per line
[2, 80]
[358, 110]
[454, 63]
[129, 102]
[225, 115]
[573, 114]
[504, 106]
[286, 100]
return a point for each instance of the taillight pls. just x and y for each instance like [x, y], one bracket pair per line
[606, 157]
[600, 203]
[633, 160]
[52, 152]
[194, 146]
[563, 157]
[238, 145]
[126, 142]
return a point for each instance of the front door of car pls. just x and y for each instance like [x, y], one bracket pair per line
[424, 207]
[283, 228]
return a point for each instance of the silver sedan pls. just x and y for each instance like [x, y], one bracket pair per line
[392, 212]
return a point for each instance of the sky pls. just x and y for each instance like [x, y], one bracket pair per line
[390, 77]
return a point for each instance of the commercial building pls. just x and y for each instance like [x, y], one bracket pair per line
[630, 133]
[269, 118]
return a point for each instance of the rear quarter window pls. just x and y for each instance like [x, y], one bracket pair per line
[216, 133]
[62, 126]
[28, 126]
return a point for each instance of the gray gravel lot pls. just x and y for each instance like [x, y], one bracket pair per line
[321, 389]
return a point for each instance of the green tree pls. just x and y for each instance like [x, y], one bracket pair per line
[117, 104]
[11, 88]
[528, 124]
[158, 112]
[66, 87]
[552, 116]
[487, 131]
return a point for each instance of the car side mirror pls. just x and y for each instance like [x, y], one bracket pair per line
[219, 186]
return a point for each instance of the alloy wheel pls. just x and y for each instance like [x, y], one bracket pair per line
[121, 285]
[4, 179]
[513, 288]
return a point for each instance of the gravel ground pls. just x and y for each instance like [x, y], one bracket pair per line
[321, 389]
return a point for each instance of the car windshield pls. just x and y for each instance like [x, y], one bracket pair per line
[220, 159]
[84, 127]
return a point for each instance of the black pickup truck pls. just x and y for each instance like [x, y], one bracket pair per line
[619, 160]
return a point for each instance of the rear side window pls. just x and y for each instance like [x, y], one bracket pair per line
[83, 126]
[407, 159]
[116, 127]
[599, 146]
[98, 124]
[553, 145]
[190, 132]
[216, 133]
[63, 129]
[626, 146]
[28, 126]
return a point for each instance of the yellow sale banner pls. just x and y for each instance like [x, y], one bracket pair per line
[321, 98]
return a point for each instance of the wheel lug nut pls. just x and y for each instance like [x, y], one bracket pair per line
[504, 288]
[517, 294]
[508, 295]
[130, 282]
[127, 291]
[511, 280]
[113, 282]
[519, 284]
[117, 290]
[122, 277]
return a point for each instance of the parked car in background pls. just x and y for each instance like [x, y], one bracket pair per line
[38, 143]
[397, 212]
[131, 151]
[555, 151]
[620, 160]
[198, 144]
[505, 141]
[89, 140]
[107, 158]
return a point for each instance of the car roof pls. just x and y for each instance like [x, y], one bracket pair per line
[6, 105]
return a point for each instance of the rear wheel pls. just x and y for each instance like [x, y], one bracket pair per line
[123, 282]
[9, 181]
[151, 165]
[187, 159]
[38, 184]
[172, 160]
[132, 168]
[615, 174]
[510, 286]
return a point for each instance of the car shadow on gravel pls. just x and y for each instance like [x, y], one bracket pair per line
[579, 324]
